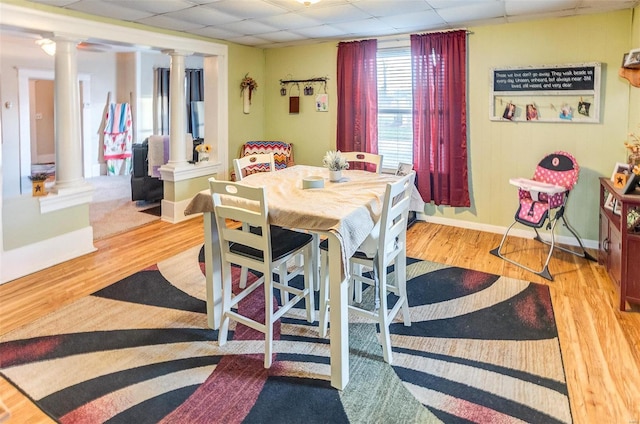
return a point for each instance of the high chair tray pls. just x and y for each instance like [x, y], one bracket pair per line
[538, 186]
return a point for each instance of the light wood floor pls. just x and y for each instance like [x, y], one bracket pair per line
[600, 345]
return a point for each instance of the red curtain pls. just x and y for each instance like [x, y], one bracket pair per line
[357, 97]
[439, 117]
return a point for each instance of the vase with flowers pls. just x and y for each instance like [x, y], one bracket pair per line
[203, 152]
[37, 184]
[336, 163]
[247, 86]
[633, 145]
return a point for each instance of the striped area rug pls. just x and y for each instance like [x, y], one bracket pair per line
[482, 348]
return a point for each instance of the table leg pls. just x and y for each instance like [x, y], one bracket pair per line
[338, 315]
[213, 271]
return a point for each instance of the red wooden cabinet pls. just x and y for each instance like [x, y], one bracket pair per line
[619, 242]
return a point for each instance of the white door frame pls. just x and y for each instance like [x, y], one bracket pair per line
[24, 75]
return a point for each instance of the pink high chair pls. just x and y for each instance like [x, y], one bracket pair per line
[543, 199]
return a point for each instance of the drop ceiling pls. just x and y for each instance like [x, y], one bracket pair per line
[282, 23]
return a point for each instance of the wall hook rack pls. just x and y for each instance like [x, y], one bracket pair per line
[307, 84]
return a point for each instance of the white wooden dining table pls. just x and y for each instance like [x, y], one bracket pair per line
[345, 212]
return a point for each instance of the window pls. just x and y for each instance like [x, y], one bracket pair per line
[395, 106]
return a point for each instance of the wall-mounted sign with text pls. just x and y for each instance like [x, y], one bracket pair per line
[551, 93]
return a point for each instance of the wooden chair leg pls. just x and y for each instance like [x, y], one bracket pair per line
[244, 272]
[309, 283]
[384, 319]
[226, 305]
[324, 294]
[283, 275]
[268, 322]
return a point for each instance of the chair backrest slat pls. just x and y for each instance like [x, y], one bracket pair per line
[248, 206]
[250, 164]
[364, 158]
[393, 222]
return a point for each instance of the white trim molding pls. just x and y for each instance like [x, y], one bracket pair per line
[34, 257]
[517, 232]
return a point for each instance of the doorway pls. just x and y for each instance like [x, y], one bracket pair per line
[27, 79]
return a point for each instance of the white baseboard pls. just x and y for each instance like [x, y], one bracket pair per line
[173, 212]
[34, 257]
[517, 232]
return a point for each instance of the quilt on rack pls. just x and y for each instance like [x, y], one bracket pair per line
[118, 137]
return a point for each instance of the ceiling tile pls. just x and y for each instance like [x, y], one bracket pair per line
[423, 19]
[519, 7]
[162, 21]
[203, 16]
[332, 14]
[280, 36]
[108, 10]
[248, 27]
[249, 40]
[365, 26]
[472, 12]
[215, 32]
[57, 3]
[319, 31]
[387, 8]
[289, 21]
[154, 6]
[248, 9]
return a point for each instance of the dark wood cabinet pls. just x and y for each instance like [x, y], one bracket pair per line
[619, 241]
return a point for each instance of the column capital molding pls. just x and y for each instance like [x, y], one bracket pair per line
[63, 36]
[174, 52]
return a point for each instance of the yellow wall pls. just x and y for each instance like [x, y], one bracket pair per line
[312, 133]
[28, 225]
[245, 127]
[497, 150]
[634, 95]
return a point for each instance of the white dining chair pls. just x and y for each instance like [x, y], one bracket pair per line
[386, 245]
[261, 249]
[263, 162]
[258, 162]
[364, 158]
[368, 161]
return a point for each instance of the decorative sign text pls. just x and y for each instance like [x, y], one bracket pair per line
[580, 78]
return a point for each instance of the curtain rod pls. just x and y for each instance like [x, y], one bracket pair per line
[405, 37]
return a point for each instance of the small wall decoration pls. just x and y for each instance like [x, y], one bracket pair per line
[322, 100]
[322, 103]
[548, 93]
[294, 101]
[566, 112]
[509, 111]
[632, 59]
[247, 86]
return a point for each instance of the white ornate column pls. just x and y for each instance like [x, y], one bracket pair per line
[177, 111]
[68, 138]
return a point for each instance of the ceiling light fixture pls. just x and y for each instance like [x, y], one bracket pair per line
[49, 46]
[308, 2]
